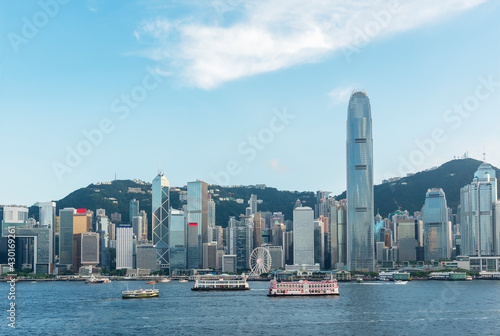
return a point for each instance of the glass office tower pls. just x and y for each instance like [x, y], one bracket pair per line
[197, 219]
[360, 242]
[177, 240]
[477, 223]
[437, 229]
[161, 220]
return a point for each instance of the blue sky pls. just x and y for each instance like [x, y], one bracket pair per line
[184, 86]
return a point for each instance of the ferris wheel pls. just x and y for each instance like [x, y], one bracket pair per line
[260, 261]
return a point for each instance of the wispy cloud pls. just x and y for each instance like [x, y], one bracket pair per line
[341, 94]
[276, 165]
[272, 34]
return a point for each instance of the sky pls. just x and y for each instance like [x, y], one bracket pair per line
[239, 92]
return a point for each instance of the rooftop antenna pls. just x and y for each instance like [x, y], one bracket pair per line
[484, 155]
[115, 176]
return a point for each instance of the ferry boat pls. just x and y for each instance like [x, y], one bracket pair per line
[303, 288]
[223, 283]
[94, 280]
[140, 293]
[163, 280]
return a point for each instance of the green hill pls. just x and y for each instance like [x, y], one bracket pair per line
[409, 192]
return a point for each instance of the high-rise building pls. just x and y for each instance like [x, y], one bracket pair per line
[145, 225]
[276, 253]
[13, 216]
[161, 219]
[197, 218]
[82, 221]
[66, 217]
[210, 255]
[177, 240]
[360, 243]
[86, 250]
[319, 244]
[145, 256]
[478, 227]
[124, 247]
[133, 209]
[253, 204]
[407, 240]
[211, 218]
[240, 241]
[229, 264]
[39, 241]
[303, 236]
[437, 228]
[137, 227]
[116, 217]
[47, 214]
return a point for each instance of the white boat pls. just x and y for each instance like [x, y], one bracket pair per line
[140, 293]
[163, 280]
[222, 283]
[183, 280]
[400, 282]
[303, 288]
[94, 280]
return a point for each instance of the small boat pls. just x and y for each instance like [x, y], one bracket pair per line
[359, 280]
[150, 282]
[93, 280]
[183, 280]
[163, 280]
[468, 278]
[140, 293]
[400, 282]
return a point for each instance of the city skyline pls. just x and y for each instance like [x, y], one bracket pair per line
[299, 83]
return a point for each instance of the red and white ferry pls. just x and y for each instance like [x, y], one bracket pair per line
[303, 287]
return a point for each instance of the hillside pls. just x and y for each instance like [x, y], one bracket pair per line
[409, 192]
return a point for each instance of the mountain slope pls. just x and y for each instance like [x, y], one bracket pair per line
[409, 192]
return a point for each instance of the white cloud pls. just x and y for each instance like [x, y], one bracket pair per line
[276, 166]
[272, 34]
[340, 95]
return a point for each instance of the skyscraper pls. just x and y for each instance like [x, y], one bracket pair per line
[161, 219]
[303, 236]
[197, 218]
[177, 240]
[124, 247]
[437, 228]
[133, 209]
[360, 246]
[478, 226]
[66, 216]
[253, 203]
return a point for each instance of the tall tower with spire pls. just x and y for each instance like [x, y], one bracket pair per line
[161, 220]
[360, 221]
